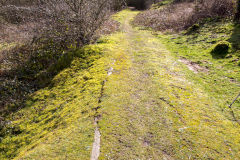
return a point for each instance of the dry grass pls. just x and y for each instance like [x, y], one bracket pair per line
[179, 16]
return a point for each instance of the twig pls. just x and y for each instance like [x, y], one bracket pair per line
[234, 101]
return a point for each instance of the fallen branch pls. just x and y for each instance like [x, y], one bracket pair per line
[230, 106]
[238, 121]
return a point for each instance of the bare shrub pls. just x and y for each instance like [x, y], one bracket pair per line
[21, 66]
[213, 8]
[108, 27]
[19, 24]
[80, 19]
[223, 8]
[182, 15]
[18, 14]
[44, 32]
[174, 17]
[17, 2]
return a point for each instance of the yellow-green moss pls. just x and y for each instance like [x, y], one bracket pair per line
[123, 15]
[58, 120]
[152, 109]
[221, 49]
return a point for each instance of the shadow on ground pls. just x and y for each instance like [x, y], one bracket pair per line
[28, 70]
[235, 39]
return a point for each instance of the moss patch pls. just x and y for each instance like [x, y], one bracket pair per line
[57, 121]
[220, 49]
[193, 28]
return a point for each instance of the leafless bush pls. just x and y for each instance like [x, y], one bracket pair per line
[44, 32]
[78, 20]
[182, 15]
[174, 17]
[21, 65]
[17, 2]
[223, 8]
[20, 24]
[18, 14]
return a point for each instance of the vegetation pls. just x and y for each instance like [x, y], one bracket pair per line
[141, 4]
[76, 77]
[39, 39]
[211, 47]
[208, 46]
[37, 45]
[221, 49]
[221, 69]
[181, 15]
[189, 117]
[58, 109]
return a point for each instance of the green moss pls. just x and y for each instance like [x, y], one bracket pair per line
[58, 120]
[121, 16]
[193, 28]
[222, 78]
[221, 49]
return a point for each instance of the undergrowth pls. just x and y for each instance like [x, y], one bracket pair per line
[148, 107]
[180, 15]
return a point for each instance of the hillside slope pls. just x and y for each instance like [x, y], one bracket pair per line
[151, 106]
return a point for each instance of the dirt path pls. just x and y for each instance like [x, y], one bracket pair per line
[150, 110]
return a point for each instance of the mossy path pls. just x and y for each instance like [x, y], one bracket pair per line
[147, 108]
[151, 110]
